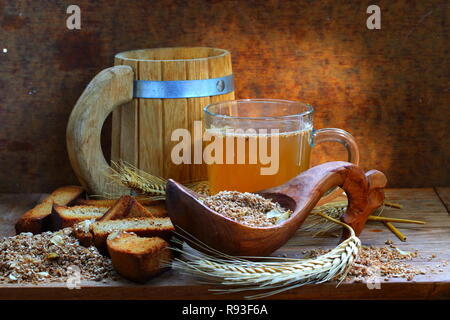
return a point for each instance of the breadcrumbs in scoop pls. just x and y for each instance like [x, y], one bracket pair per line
[247, 208]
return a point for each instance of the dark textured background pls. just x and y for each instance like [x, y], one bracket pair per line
[388, 87]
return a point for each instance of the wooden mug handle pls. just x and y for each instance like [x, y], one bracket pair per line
[110, 88]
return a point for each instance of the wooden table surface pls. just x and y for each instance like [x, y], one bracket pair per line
[429, 205]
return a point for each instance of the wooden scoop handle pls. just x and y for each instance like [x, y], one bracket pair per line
[110, 88]
[358, 210]
[364, 191]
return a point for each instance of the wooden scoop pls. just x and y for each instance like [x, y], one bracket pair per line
[301, 194]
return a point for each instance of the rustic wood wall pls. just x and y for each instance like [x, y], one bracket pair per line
[388, 87]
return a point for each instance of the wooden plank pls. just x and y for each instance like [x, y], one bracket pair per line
[196, 70]
[431, 238]
[444, 195]
[151, 124]
[158, 291]
[116, 127]
[175, 117]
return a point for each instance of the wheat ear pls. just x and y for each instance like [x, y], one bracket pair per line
[276, 275]
[143, 183]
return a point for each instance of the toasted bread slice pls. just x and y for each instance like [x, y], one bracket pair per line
[126, 207]
[63, 216]
[82, 232]
[120, 209]
[144, 227]
[37, 220]
[137, 258]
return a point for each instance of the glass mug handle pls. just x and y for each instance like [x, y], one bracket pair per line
[344, 138]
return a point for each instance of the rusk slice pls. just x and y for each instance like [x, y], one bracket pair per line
[63, 216]
[37, 220]
[120, 209]
[126, 207]
[137, 258]
[145, 227]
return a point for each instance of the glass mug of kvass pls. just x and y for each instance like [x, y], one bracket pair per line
[263, 143]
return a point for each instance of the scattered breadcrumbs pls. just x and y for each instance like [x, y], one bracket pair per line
[247, 208]
[385, 262]
[46, 257]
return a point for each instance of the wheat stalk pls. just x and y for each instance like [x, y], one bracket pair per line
[315, 223]
[143, 183]
[334, 209]
[276, 275]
